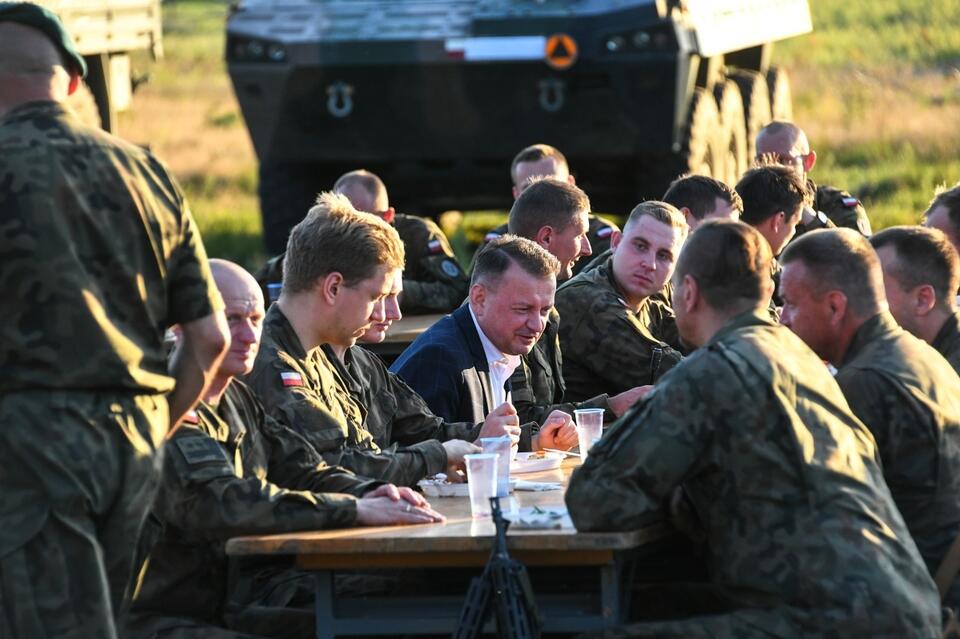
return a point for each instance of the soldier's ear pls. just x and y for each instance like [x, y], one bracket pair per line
[837, 305]
[478, 297]
[572, 181]
[330, 287]
[809, 160]
[615, 238]
[690, 293]
[543, 236]
[924, 299]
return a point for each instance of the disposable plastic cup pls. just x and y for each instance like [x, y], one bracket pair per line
[481, 481]
[589, 428]
[500, 446]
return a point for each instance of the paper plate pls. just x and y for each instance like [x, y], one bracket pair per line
[437, 487]
[523, 463]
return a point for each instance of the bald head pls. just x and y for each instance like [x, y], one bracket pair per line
[234, 281]
[243, 306]
[785, 143]
[365, 190]
[31, 68]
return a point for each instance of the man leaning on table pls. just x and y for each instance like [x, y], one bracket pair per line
[340, 268]
[776, 473]
[230, 470]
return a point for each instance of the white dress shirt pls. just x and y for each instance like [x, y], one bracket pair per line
[501, 365]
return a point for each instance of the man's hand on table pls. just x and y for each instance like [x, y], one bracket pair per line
[503, 420]
[456, 449]
[621, 403]
[391, 505]
[558, 431]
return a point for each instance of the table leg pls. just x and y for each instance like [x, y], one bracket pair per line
[324, 604]
[610, 596]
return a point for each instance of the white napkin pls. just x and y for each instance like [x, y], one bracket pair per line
[536, 486]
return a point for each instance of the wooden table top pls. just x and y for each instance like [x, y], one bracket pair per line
[409, 328]
[460, 534]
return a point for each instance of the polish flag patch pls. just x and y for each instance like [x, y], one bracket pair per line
[489, 237]
[850, 202]
[606, 231]
[191, 417]
[291, 379]
[434, 246]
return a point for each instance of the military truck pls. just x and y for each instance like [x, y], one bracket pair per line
[106, 32]
[437, 96]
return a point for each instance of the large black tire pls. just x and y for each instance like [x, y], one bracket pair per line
[781, 96]
[84, 106]
[733, 132]
[287, 191]
[756, 105]
[701, 150]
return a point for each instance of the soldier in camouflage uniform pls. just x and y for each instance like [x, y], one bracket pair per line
[921, 273]
[433, 281]
[898, 385]
[783, 483]
[786, 144]
[553, 213]
[543, 160]
[100, 255]
[340, 267]
[230, 471]
[613, 336]
[944, 214]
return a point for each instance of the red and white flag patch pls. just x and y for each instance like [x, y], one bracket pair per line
[850, 202]
[489, 237]
[434, 246]
[604, 232]
[291, 379]
[191, 417]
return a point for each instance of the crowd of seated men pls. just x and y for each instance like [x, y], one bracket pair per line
[780, 383]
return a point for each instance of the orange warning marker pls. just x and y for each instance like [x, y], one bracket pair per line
[561, 51]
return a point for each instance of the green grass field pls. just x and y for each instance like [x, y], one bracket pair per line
[876, 86]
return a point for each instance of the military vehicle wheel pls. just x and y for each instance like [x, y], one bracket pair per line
[286, 191]
[733, 132]
[756, 104]
[781, 97]
[84, 106]
[701, 152]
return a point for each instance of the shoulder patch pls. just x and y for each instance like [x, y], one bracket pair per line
[290, 378]
[191, 418]
[451, 268]
[200, 450]
[605, 232]
[489, 237]
[850, 202]
[434, 246]
[822, 217]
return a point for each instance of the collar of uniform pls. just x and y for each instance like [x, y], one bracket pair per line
[493, 353]
[877, 326]
[755, 317]
[281, 330]
[29, 110]
[947, 333]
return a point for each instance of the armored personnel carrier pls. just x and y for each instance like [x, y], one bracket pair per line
[437, 96]
[106, 32]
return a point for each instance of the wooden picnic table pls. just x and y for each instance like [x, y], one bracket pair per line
[460, 542]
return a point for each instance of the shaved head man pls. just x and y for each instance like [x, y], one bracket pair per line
[786, 144]
[944, 214]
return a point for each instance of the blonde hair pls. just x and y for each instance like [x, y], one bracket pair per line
[335, 238]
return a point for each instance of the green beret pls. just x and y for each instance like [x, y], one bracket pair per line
[44, 20]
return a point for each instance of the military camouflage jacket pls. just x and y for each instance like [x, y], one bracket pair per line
[782, 479]
[537, 385]
[607, 348]
[909, 398]
[395, 413]
[433, 281]
[835, 208]
[599, 234]
[230, 470]
[304, 391]
[100, 255]
[947, 341]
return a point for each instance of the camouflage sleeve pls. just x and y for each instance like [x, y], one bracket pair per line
[414, 422]
[433, 281]
[612, 344]
[309, 414]
[192, 293]
[843, 209]
[202, 494]
[625, 482]
[664, 324]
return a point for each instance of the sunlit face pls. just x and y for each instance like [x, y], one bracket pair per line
[391, 310]
[547, 167]
[900, 301]
[791, 151]
[644, 257]
[939, 218]
[362, 305]
[570, 245]
[244, 311]
[803, 311]
[780, 237]
[513, 311]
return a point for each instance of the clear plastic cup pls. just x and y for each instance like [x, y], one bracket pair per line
[481, 481]
[500, 446]
[589, 428]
